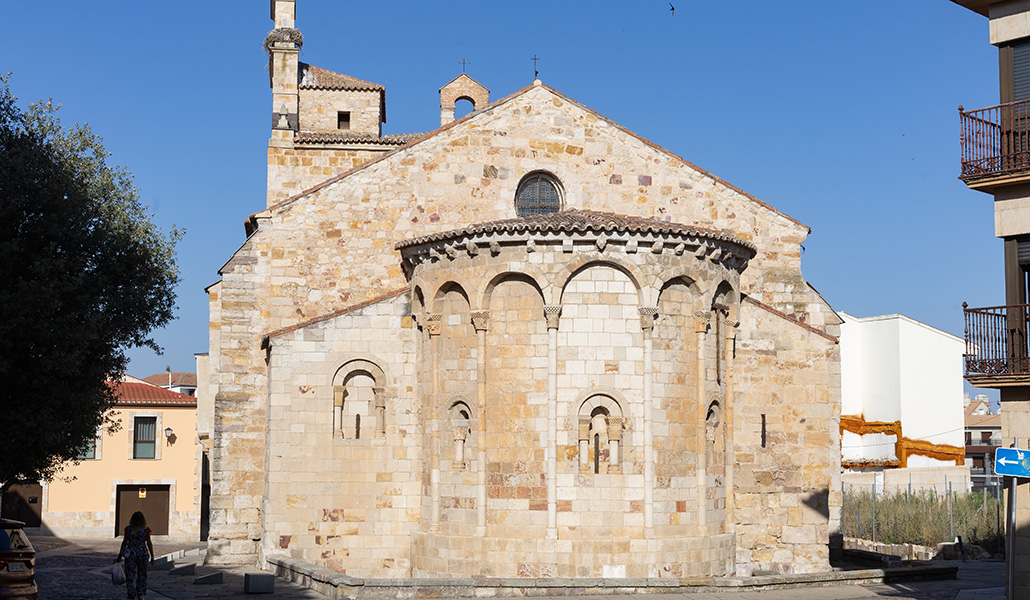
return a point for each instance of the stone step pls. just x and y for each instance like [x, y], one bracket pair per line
[187, 569]
[209, 579]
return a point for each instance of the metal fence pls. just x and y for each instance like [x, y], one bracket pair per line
[926, 516]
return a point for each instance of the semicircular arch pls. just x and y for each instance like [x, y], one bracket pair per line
[580, 264]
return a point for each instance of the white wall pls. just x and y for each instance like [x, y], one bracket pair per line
[894, 368]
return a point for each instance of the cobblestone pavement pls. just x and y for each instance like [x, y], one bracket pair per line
[79, 569]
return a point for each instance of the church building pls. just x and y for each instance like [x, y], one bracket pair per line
[528, 343]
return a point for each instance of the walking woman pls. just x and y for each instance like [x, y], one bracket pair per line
[136, 546]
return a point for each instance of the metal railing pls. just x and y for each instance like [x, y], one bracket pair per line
[995, 140]
[996, 340]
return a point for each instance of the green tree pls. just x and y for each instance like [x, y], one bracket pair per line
[84, 276]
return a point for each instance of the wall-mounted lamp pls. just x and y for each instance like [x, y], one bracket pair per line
[168, 432]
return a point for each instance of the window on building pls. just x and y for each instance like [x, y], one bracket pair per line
[89, 451]
[969, 438]
[343, 120]
[144, 437]
[985, 437]
[600, 433]
[539, 193]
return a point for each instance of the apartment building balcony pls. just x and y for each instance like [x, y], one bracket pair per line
[995, 145]
[996, 345]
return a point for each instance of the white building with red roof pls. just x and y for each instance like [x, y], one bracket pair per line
[150, 462]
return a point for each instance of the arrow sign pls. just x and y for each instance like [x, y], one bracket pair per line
[1012, 462]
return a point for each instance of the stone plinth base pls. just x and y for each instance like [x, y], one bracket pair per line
[438, 555]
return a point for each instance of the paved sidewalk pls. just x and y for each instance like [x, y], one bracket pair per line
[79, 569]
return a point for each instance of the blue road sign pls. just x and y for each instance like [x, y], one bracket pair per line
[1014, 462]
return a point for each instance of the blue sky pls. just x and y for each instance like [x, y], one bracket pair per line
[841, 114]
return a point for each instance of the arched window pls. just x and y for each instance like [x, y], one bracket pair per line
[359, 401]
[461, 426]
[600, 431]
[539, 193]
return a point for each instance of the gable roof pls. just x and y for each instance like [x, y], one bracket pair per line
[578, 220]
[178, 379]
[493, 106]
[316, 78]
[789, 318]
[311, 77]
[464, 76]
[336, 313]
[144, 394]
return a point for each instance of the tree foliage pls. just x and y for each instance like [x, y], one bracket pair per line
[84, 276]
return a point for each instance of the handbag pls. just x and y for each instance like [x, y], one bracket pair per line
[118, 574]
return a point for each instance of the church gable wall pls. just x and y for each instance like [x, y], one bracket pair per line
[787, 493]
[349, 504]
[469, 173]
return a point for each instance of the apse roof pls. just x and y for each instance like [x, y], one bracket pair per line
[574, 220]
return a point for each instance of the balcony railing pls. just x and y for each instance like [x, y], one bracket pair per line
[996, 340]
[995, 140]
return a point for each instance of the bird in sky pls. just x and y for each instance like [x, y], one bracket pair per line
[672, 9]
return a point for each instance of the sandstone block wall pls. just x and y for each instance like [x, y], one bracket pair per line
[787, 491]
[293, 169]
[319, 108]
[348, 504]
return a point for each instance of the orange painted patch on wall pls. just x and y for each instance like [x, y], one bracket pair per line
[903, 447]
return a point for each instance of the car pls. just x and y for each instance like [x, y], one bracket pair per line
[17, 562]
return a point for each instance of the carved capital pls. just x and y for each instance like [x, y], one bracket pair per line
[647, 317]
[584, 428]
[460, 433]
[701, 320]
[552, 314]
[480, 319]
[380, 396]
[614, 428]
[433, 324]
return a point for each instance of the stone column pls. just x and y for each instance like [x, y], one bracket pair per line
[433, 328]
[647, 317]
[380, 399]
[614, 435]
[584, 444]
[460, 433]
[728, 431]
[480, 320]
[552, 315]
[701, 321]
[338, 411]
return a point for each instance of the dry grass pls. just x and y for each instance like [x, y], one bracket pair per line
[923, 518]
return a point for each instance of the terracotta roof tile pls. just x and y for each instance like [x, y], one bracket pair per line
[336, 313]
[317, 78]
[338, 137]
[180, 378]
[579, 220]
[144, 394]
[785, 316]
